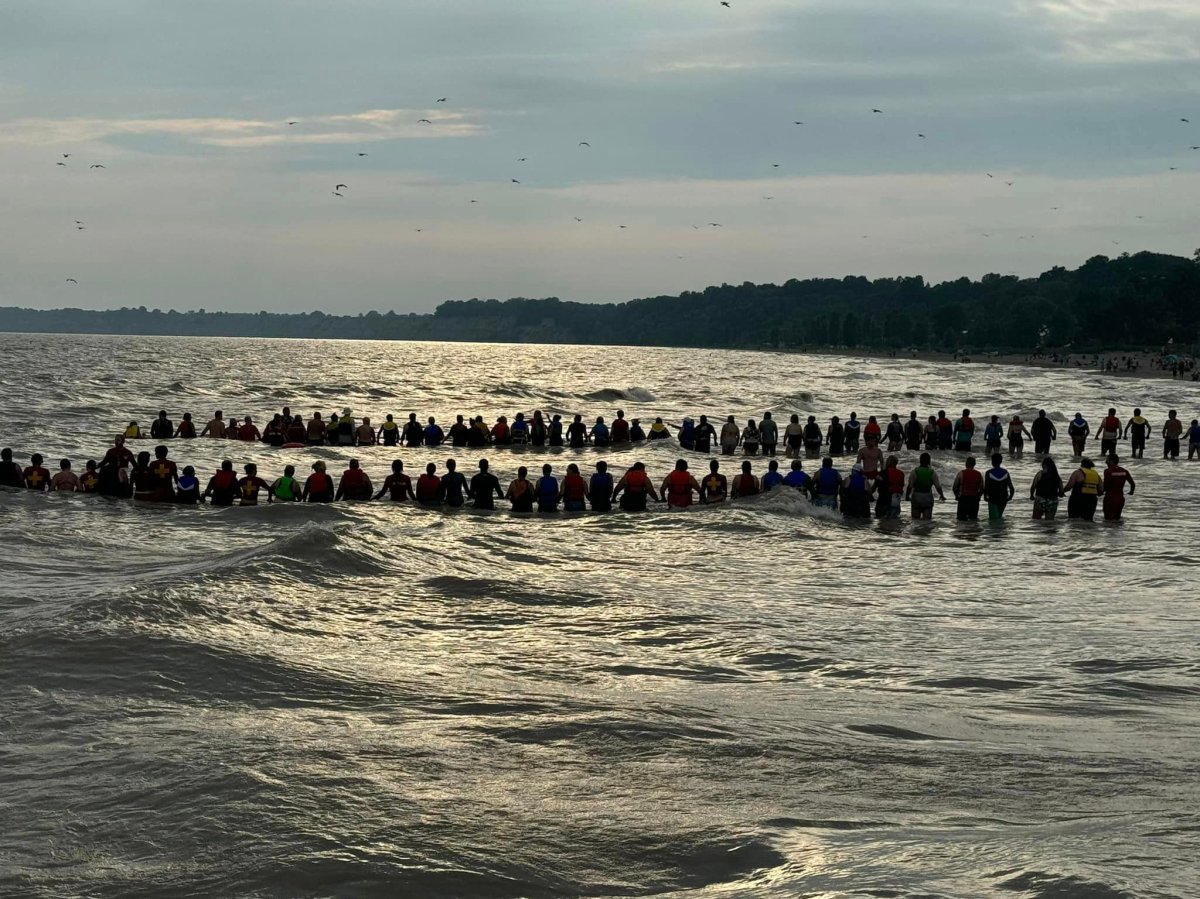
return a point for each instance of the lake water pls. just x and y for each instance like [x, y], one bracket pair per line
[754, 700]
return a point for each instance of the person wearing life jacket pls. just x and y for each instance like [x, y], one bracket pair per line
[636, 433]
[687, 434]
[768, 434]
[500, 432]
[1078, 430]
[1172, 430]
[993, 434]
[397, 486]
[345, 428]
[1084, 487]
[856, 490]
[482, 488]
[600, 488]
[286, 489]
[414, 434]
[142, 480]
[132, 431]
[162, 428]
[222, 486]
[797, 479]
[835, 437]
[772, 478]
[354, 485]
[813, 438]
[1137, 430]
[272, 434]
[520, 492]
[1109, 431]
[964, 432]
[731, 435]
[458, 432]
[793, 437]
[891, 489]
[827, 484]
[547, 491]
[998, 488]
[454, 485]
[1115, 479]
[745, 484]
[705, 435]
[89, 481]
[913, 431]
[600, 432]
[750, 438]
[554, 434]
[620, 428]
[318, 486]
[713, 486]
[945, 431]
[64, 480]
[11, 474]
[250, 486]
[853, 430]
[538, 431]
[573, 490]
[164, 475]
[518, 434]
[894, 434]
[633, 488]
[1194, 439]
[678, 486]
[296, 432]
[364, 434]
[1046, 489]
[188, 493]
[247, 431]
[389, 431]
[215, 427]
[1017, 432]
[433, 435]
[922, 481]
[968, 490]
[930, 433]
[872, 433]
[429, 487]
[187, 428]
[331, 429]
[477, 433]
[1043, 432]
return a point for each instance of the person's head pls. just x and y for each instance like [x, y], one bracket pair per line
[997, 460]
[578, 418]
[1041, 413]
[451, 465]
[827, 462]
[430, 468]
[730, 420]
[1137, 411]
[773, 465]
[559, 418]
[483, 465]
[6, 454]
[1078, 416]
[766, 416]
[995, 419]
[275, 419]
[714, 466]
[599, 419]
[966, 413]
[64, 465]
[546, 469]
[872, 420]
[457, 418]
[160, 452]
[367, 422]
[162, 413]
[346, 413]
[1085, 462]
[892, 462]
[319, 466]
[572, 468]
[812, 419]
[854, 416]
[317, 416]
[1171, 414]
[658, 420]
[933, 419]
[91, 466]
[941, 413]
[397, 466]
[1113, 460]
[1195, 421]
[834, 420]
[746, 467]
[249, 421]
[187, 416]
[188, 470]
[143, 459]
[289, 471]
[1112, 411]
[681, 464]
[970, 461]
[797, 465]
[795, 419]
[218, 415]
[895, 417]
[620, 413]
[912, 415]
[925, 459]
[251, 469]
[521, 416]
[703, 419]
[601, 467]
[227, 465]
[120, 441]
[522, 471]
[412, 416]
[431, 420]
[354, 463]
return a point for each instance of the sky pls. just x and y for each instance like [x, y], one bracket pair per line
[1052, 133]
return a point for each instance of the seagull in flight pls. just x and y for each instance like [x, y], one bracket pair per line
[578, 219]
[80, 228]
[474, 201]
[989, 174]
[293, 123]
[921, 135]
[96, 166]
[362, 154]
[768, 198]
[774, 165]
[336, 194]
[515, 181]
[879, 111]
[340, 186]
[78, 222]
[725, 3]
[797, 123]
[424, 122]
[584, 143]
[60, 163]
[620, 226]
[72, 281]
[523, 159]
[66, 156]
[418, 230]
[1196, 148]
[715, 225]
[1189, 121]
[1010, 183]
[442, 99]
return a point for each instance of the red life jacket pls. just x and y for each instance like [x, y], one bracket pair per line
[319, 484]
[679, 488]
[352, 479]
[187, 429]
[574, 487]
[500, 432]
[745, 485]
[967, 424]
[971, 483]
[620, 430]
[1111, 423]
[428, 486]
[893, 480]
[635, 481]
[224, 480]
[247, 432]
[872, 430]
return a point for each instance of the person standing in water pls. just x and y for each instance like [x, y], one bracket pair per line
[827, 484]
[678, 486]
[713, 486]
[993, 433]
[730, 436]
[485, 488]
[1172, 430]
[913, 432]
[1017, 432]
[454, 485]
[397, 486]
[855, 493]
[773, 478]
[1046, 489]
[945, 431]
[1078, 430]
[547, 490]
[216, 427]
[750, 438]
[835, 437]
[633, 488]
[1115, 479]
[318, 487]
[600, 488]
[573, 490]
[520, 492]
[768, 433]
[251, 485]
[64, 480]
[285, 489]
[355, 485]
[853, 432]
[222, 486]
[998, 488]
[813, 438]
[746, 484]
[1194, 439]
[1137, 430]
[922, 481]
[1043, 433]
[1108, 433]
[1084, 486]
[968, 489]
[964, 432]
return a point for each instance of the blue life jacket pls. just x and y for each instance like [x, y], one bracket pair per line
[434, 435]
[771, 479]
[993, 432]
[858, 484]
[547, 487]
[828, 481]
[600, 432]
[797, 479]
[602, 483]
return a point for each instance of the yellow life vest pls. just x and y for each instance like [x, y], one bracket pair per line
[1091, 482]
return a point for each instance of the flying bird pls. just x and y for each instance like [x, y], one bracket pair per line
[336, 194]
[774, 165]
[78, 222]
[72, 281]
[578, 219]
[797, 123]
[340, 186]
[920, 135]
[66, 156]
[293, 123]
[418, 230]
[424, 122]
[362, 154]
[768, 198]
[80, 228]
[620, 226]
[523, 159]
[60, 163]
[443, 99]
[880, 111]
[96, 166]
[989, 174]
[1189, 121]
[515, 181]
[1196, 148]
[584, 143]
[474, 201]
[1010, 183]
[715, 225]
[725, 3]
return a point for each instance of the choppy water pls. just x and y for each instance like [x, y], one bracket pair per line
[756, 700]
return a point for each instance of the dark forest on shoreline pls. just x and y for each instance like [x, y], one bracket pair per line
[1133, 301]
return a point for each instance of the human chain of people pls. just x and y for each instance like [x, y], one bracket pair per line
[875, 482]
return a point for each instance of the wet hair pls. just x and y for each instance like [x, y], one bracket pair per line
[354, 463]
[892, 462]
[483, 464]
[522, 471]
[546, 469]
[774, 465]
[1049, 466]
[451, 465]
[714, 465]
[397, 466]
[1085, 462]
[797, 465]
[827, 462]
[681, 464]
[251, 469]
[1113, 459]
[160, 452]
[188, 471]
[289, 471]
[573, 468]
[65, 464]
[430, 468]
[227, 465]
[746, 466]
[925, 458]
[602, 466]
[997, 459]
[970, 461]
[795, 419]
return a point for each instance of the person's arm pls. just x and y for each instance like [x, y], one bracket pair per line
[206, 429]
[956, 487]
[270, 492]
[937, 482]
[208, 490]
[618, 487]
[379, 495]
[908, 487]
[1012, 491]
[650, 490]
[1033, 487]
[1132, 485]
[406, 489]
[341, 490]
[367, 484]
[1027, 432]
[1053, 432]
[665, 483]
[496, 484]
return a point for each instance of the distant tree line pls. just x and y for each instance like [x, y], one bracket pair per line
[1134, 301]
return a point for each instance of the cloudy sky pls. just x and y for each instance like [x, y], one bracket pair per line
[210, 198]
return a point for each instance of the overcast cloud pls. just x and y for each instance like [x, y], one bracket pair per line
[209, 198]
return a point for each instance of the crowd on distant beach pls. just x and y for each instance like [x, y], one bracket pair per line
[874, 483]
